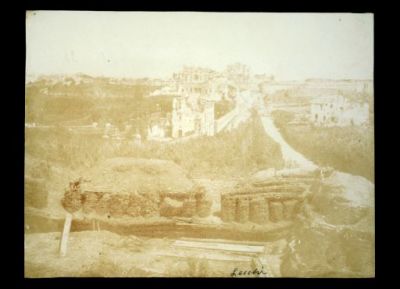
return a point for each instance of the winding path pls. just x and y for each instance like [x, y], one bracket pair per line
[292, 158]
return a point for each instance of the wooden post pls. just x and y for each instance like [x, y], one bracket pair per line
[65, 234]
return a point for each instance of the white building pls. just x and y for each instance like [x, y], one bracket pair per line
[192, 116]
[159, 127]
[336, 110]
[193, 108]
[156, 131]
[239, 74]
[197, 90]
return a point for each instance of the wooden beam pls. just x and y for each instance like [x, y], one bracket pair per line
[65, 234]
[208, 256]
[224, 241]
[220, 246]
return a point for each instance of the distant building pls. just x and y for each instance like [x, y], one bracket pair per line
[340, 86]
[316, 87]
[336, 110]
[192, 116]
[239, 74]
[196, 90]
[271, 87]
[159, 127]
[194, 81]
[193, 109]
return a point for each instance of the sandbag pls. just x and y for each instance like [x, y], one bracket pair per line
[170, 207]
[243, 210]
[276, 211]
[258, 211]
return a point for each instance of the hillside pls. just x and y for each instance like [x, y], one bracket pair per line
[236, 153]
[86, 100]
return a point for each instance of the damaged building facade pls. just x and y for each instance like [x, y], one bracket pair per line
[193, 108]
[198, 89]
[336, 110]
[195, 92]
[159, 126]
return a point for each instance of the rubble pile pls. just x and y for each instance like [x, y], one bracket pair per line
[336, 236]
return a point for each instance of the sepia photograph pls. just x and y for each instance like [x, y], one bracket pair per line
[199, 144]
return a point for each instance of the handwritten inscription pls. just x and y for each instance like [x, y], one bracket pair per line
[243, 273]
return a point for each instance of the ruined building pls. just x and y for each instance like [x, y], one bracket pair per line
[192, 116]
[336, 110]
[239, 74]
[197, 90]
[193, 108]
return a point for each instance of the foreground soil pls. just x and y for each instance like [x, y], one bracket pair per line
[105, 254]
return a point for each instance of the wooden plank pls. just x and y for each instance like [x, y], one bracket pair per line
[209, 256]
[220, 246]
[65, 234]
[224, 241]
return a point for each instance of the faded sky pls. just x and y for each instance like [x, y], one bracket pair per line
[143, 44]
